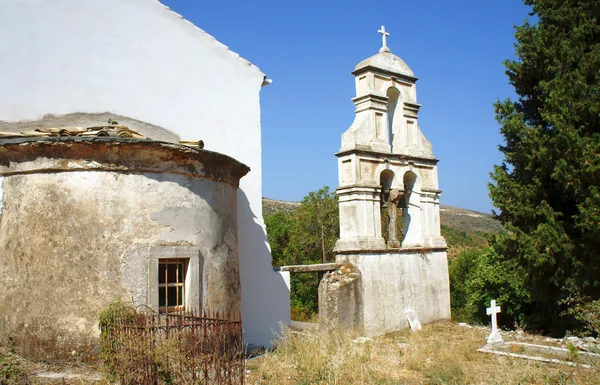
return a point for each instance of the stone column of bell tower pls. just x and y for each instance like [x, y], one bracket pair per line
[386, 160]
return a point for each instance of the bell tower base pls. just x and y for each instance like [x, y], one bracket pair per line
[373, 290]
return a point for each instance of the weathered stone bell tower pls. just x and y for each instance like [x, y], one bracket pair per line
[388, 180]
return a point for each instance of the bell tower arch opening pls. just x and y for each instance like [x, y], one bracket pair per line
[411, 210]
[391, 217]
[394, 112]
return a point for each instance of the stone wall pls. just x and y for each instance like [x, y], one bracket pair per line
[340, 299]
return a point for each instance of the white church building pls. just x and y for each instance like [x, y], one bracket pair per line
[79, 63]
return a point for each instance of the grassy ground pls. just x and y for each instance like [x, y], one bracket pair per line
[441, 353]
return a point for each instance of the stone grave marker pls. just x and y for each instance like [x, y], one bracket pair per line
[413, 320]
[493, 310]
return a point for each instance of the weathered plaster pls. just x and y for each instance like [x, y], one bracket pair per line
[395, 281]
[341, 300]
[74, 240]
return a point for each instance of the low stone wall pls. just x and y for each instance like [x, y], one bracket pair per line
[341, 299]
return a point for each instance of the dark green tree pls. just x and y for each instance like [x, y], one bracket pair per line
[548, 187]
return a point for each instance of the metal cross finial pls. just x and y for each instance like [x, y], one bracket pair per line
[384, 34]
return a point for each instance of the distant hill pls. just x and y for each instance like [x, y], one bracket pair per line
[271, 206]
[459, 219]
[468, 220]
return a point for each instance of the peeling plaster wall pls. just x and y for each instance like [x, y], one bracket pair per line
[71, 62]
[72, 242]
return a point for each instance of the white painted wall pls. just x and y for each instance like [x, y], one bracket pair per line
[139, 59]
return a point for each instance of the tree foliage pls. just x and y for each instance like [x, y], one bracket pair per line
[308, 234]
[548, 186]
[304, 236]
[478, 275]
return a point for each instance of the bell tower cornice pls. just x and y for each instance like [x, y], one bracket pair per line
[393, 75]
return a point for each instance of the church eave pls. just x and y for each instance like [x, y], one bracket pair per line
[206, 33]
[66, 154]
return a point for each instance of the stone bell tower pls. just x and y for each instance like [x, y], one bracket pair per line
[388, 180]
[383, 152]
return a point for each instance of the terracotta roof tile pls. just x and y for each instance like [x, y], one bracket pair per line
[115, 131]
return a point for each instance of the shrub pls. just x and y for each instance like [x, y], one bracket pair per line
[478, 276]
[586, 311]
[116, 312]
[10, 371]
[304, 295]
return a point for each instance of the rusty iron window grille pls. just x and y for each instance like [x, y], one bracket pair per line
[171, 285]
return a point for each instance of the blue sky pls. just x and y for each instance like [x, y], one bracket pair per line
[309, 48]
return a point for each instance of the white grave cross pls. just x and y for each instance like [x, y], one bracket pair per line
[384, 35]
[493, 311]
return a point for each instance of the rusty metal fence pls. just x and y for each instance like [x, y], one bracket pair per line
[146, 347]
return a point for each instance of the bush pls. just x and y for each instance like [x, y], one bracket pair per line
[304, 295]
[116, 312]
[478, 276]
[586, 311]
[10, 371]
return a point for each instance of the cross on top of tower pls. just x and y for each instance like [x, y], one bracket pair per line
[384, 35]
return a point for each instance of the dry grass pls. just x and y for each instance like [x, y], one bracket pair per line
[16, 370]
[442, 353]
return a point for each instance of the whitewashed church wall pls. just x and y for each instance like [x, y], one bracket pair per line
[139, 60]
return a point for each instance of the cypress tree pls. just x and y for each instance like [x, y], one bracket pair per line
[547, 188]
